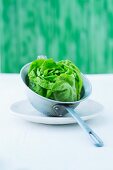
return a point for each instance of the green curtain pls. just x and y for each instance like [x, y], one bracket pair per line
[79, 30]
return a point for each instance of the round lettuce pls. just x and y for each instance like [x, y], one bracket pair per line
[61, 81]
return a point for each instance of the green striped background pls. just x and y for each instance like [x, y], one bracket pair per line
[80, 30]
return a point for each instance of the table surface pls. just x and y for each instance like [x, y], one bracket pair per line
[31, 146]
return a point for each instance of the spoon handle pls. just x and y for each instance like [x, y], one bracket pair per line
[92, 135]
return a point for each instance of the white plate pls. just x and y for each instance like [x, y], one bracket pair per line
[87, 110]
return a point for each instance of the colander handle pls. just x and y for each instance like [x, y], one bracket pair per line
[41, 56]
[91, 134]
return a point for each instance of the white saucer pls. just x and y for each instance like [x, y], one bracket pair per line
[87, 110]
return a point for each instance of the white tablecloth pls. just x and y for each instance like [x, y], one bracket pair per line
[31, 146]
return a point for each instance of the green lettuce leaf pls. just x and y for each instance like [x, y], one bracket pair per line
[60, 81]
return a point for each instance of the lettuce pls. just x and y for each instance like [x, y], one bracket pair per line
[61, 81]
